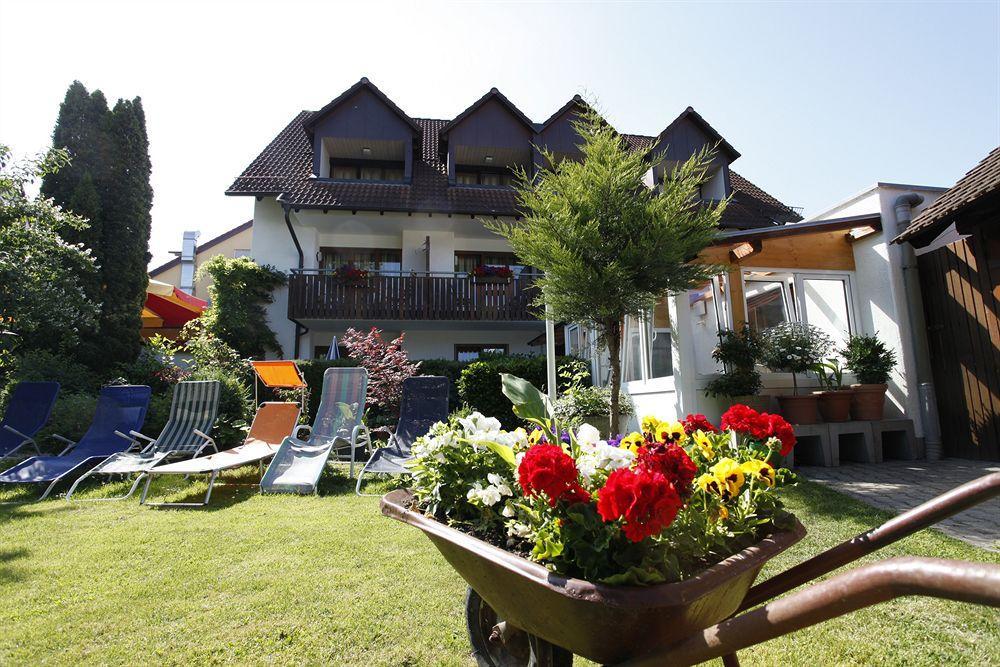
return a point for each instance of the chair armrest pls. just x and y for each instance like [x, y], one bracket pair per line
[25, 439]
[136, 434]
[131, 437]
[16, 432]
[70, 444]
[208, 442]
[299, 428]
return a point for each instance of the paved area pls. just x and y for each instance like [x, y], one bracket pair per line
[900, 485]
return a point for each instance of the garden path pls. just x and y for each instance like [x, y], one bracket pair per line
[900, 485]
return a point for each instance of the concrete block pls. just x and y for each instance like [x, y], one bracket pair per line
[894, 439]
[813, 445]
[853, 441]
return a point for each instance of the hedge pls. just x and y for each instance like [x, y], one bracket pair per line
[480, 388]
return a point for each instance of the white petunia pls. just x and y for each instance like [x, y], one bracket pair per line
[602, 457]
[508, 511]
[479, 423]
[587, 435]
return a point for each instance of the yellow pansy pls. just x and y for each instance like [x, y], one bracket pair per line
[670, 432]
[730, 474]
[758, 469]
[536, 436]
[632, 442]
[704, 444]
[650, 424]
[710, 484]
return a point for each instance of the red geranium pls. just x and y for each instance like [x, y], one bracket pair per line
[644, 499]
[548, 469]
[694, 423]
[783, 431]
[671, 461]
[746, 420]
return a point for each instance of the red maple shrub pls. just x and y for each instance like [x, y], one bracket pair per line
[387, 364]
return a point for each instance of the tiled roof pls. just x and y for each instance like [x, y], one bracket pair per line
[284, 169]
[981, 181]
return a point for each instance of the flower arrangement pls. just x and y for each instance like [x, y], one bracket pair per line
[655, 505]
[351, 273]
[490, 271]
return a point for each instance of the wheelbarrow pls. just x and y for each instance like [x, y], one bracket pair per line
[520, 613]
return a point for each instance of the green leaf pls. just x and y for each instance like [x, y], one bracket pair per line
[503, 451]
[529, 403]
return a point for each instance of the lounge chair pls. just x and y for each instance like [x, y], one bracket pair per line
[279, 374]
[119, 410]
[273, 423]
[424, 403]
[192, 415]
[297, 466]
[27, 411]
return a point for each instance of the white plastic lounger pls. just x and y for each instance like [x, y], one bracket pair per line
[273, 423]
[298, 464]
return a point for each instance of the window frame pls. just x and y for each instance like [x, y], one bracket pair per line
[380, 256]
[479, 348]
[799, 308]
[357, 165]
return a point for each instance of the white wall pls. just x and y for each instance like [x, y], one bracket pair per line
[433, 343]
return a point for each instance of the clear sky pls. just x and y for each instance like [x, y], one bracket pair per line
[822, 100]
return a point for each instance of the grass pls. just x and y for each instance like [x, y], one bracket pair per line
[306, 580]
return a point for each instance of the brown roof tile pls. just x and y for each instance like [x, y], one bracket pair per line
[284, 169]
[981, 181]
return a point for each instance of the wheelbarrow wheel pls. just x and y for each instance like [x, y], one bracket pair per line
[494, 644]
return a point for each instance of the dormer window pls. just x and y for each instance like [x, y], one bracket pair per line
[465, 175]
[367, 170]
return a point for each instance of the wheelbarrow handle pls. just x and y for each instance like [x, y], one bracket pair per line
[947, 504]
[977, 583]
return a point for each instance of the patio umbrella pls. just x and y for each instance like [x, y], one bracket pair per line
[169, 307]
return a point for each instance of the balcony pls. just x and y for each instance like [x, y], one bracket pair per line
[318, 294]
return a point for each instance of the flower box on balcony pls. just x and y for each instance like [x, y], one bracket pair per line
[350, 276]
[487, 275]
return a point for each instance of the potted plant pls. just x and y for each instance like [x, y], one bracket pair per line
[835, 400]
[871, 362]
[605, 549]
[795, 347]
[486, 273]
[583, 403]
[739, 352]
[350, 275]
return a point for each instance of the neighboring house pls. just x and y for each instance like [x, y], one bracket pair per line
[958, 254]
[181, 271]
[360, 183]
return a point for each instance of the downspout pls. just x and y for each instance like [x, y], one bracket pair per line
[903, 213]
[300, 329]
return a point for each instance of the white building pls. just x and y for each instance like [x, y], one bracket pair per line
[361, 184]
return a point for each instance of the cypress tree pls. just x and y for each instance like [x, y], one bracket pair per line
[107, 183]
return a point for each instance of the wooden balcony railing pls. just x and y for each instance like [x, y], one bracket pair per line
[318, 294]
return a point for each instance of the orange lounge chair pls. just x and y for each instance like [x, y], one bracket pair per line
[273, 423]
[279, 374]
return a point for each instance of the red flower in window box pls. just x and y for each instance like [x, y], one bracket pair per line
[350, 274]
[489, 273]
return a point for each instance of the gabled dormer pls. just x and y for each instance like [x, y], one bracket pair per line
[362, 136]
[558, 135]
[686, 135]
[487, 141]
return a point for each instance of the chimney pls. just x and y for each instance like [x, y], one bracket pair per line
[188, 249]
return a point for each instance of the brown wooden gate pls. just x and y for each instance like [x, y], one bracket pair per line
[961, 291]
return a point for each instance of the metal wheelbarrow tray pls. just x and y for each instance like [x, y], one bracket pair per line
[711, 615]
[606, 624]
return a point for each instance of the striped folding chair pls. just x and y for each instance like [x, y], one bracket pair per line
[192, 416]
[338, 427]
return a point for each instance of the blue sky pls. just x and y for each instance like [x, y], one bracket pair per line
[821, 99]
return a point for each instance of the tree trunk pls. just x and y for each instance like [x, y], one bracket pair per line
[613, 336]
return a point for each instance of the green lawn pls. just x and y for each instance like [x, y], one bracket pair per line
[308, 580]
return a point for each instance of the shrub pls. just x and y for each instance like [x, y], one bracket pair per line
[794, 347]
[739, 352]
[574, 407]
[388, 365]
[869, 359]
[480, 387]
[42, 366]
[71, 417]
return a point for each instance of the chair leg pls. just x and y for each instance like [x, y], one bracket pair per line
[72, 489]
[135, 485]
[48, 489]
[145, 490]
[211, 483]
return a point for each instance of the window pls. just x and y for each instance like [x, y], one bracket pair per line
[657, 360]
[369, 259]
[820, 299]
[709, 312]
[241, 252]
[491, 177]
[473, 351]
[366, 170]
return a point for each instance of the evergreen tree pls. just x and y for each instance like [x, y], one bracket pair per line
[107, 183]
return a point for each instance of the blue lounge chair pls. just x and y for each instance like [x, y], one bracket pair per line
[298, 464]
[27, 411]
[119, 410]
[192, 415]
[424, 403]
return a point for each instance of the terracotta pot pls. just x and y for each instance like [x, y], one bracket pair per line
[868, 402]
[799, 409]
[835, 405]
[606, 624]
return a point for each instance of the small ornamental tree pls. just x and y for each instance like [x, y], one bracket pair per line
[43, 304]
[240, 288]
[387, 364]
[608, 245]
